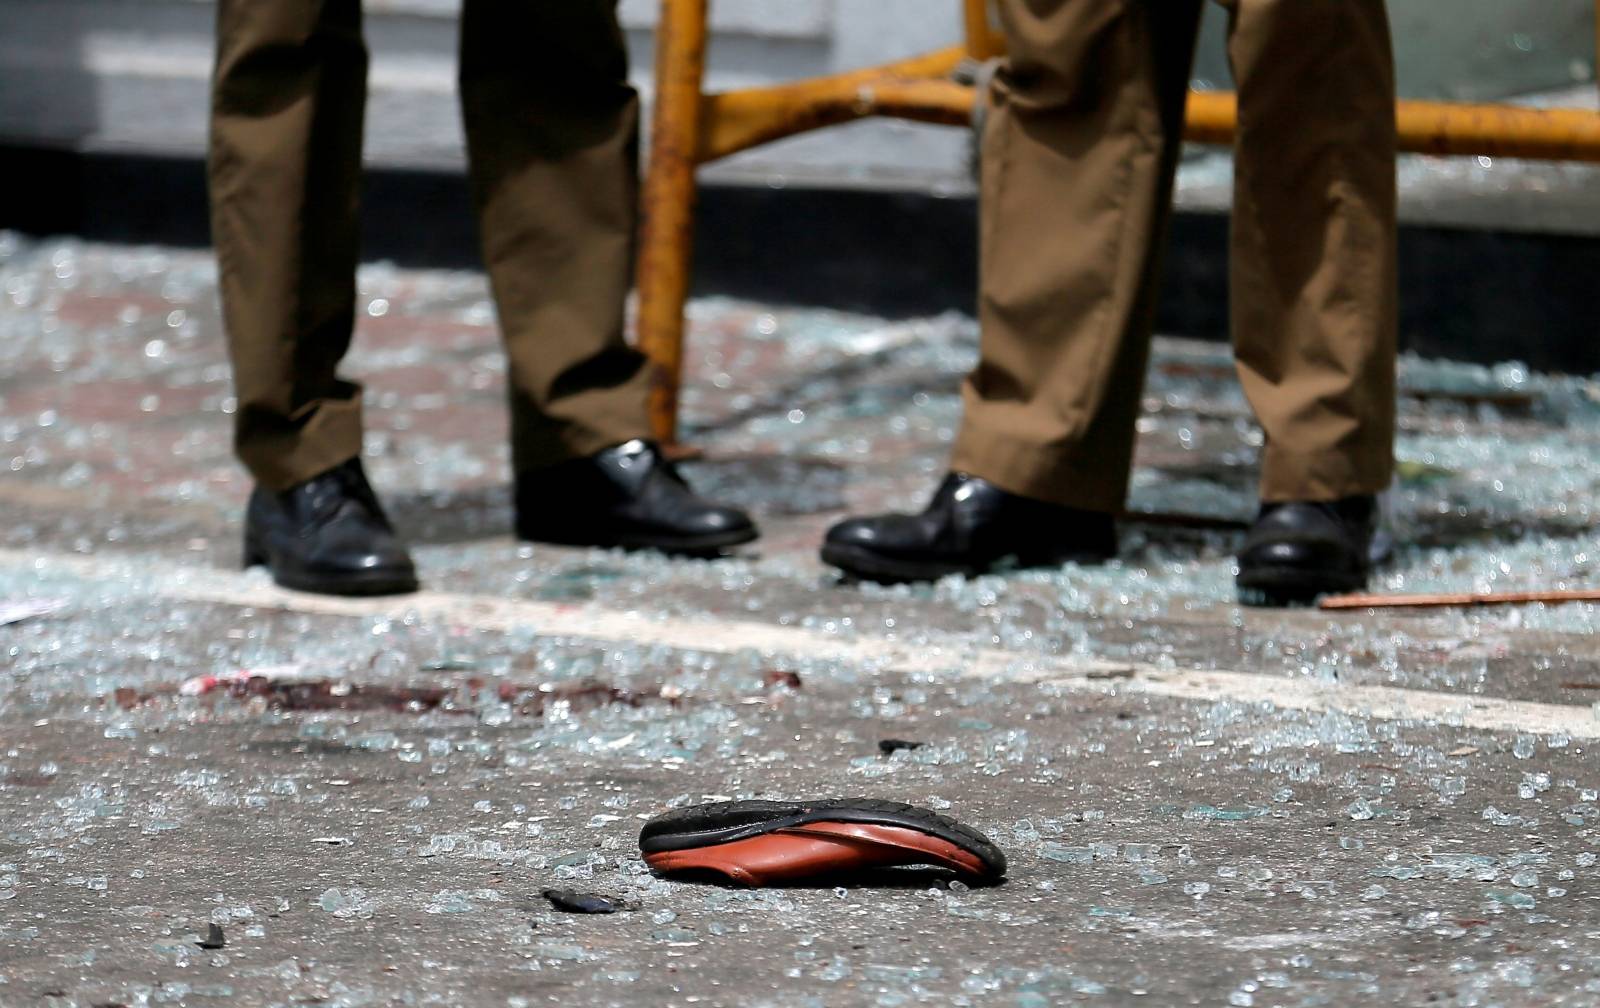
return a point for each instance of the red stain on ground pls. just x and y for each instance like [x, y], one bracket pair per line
[530, 700]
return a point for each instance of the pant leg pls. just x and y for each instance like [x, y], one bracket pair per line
[552, 134]
[1313, 275]
[284, 175]
[1078, 161]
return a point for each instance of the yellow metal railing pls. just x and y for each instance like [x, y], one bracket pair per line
[692, 128]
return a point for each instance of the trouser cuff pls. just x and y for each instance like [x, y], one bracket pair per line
[1322, 476]
[1041, 473]
[539, 441]
[321, 436]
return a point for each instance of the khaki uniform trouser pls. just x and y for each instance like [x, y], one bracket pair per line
[551, 129]
[1078, 162]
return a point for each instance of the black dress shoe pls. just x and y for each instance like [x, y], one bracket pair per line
[969, 528]
[1297, 551]
[328, 535]
[627, 496]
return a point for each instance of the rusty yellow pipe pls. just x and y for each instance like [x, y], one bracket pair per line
[982, 40]
[666, 242]
[1444, 128]
[1500, 131]
[744, 119]
[917, 88]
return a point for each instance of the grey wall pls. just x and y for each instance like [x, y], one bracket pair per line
[1470, 50]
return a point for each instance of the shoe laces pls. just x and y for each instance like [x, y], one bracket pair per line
[329, 491]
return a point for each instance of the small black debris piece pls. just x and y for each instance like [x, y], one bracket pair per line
[569, 901]
[214, 938]
[889, 745]
[757, 843]
[450, 665]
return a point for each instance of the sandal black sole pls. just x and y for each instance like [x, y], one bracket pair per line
[730, 822]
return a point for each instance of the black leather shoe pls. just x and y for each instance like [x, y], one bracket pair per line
[328, 535]
[1297, 551]
[627, 496]
[969, 527]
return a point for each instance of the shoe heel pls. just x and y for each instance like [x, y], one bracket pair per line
[251, 557]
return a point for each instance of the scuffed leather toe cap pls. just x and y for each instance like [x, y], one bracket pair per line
[1293, 554]
[356, 549]
[390, 561]
[718, 519]
[868, 533]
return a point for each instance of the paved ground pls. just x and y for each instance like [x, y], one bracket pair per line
[1202, 803]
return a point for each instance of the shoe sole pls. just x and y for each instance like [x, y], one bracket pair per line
[762, 842]
[360, 585]
[1279, 587]
[701, 545]
[866, 565]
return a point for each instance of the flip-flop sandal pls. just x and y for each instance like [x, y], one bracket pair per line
[758, 843]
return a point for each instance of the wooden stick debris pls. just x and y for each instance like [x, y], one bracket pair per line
[1456, 601]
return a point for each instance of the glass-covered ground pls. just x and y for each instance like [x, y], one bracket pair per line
[1203, 803]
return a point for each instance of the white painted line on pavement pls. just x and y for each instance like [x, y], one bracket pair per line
[196, 584]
